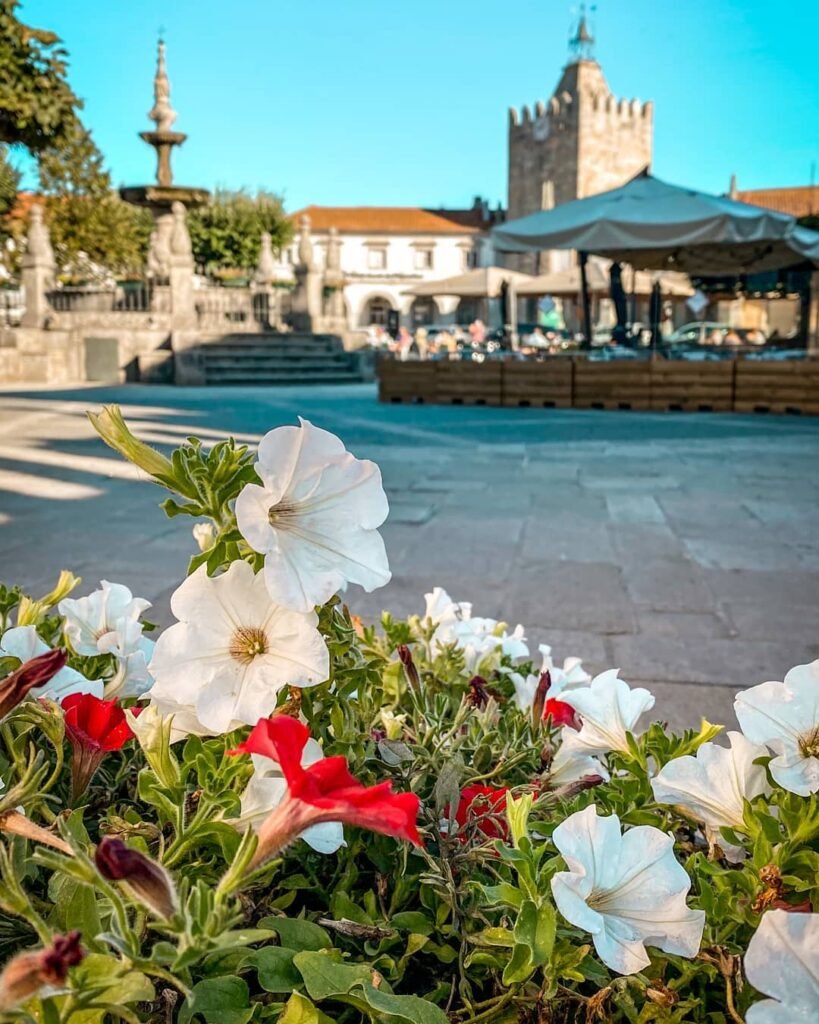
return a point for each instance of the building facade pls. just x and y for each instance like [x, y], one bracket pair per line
[384, 251]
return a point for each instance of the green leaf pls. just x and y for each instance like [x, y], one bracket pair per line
[354, 984]
[299, 1010]
[297, 933]
[110, 983]
[218, 1001]
[535, 928]
[412, 921]
[324, 977]
[402, 1009]
[276, 970]
[494, 937]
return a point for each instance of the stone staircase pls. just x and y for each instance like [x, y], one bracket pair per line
[270, 359]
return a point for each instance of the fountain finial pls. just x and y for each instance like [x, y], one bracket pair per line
[163, 115]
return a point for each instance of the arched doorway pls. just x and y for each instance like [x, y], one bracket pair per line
[376, 311]
[423, 312]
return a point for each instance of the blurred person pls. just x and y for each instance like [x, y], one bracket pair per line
[477, 332]
[421, 342]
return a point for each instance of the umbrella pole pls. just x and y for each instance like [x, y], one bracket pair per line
[584, 286]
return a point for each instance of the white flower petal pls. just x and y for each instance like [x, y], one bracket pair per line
[571, 765]
[608, 708]
[204, 664]
[785, 717]
[712, 786]
[632, 882]
[315, 517]
[88, 619]
[24, 642]
[782, 961]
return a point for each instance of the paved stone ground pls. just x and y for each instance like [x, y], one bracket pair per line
[683, 549]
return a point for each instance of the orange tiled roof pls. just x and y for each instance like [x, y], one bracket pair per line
[800, 201]
[410, 220]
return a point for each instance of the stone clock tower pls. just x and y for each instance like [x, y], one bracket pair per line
[582, 141]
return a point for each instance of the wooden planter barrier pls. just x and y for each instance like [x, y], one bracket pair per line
[624, 384]
[741, 385]
[546, 384]
[406, 382]
[679, 385]
[467, 383]
[769, 386]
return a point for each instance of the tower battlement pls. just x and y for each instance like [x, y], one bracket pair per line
[580, 141]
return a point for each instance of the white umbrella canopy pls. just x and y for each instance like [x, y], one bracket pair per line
[567, 283]
[483, 282]
[656, 226]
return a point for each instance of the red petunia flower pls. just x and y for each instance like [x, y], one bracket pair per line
[484, 807]
[560, 713]
[94, 727]
[324, 791]
[31, 674]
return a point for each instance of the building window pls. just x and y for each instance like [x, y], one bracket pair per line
[423, 259]
[377, 257]
[470, 259]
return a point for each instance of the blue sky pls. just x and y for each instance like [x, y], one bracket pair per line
[343, 102]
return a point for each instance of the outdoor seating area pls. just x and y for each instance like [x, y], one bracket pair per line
[743, 384]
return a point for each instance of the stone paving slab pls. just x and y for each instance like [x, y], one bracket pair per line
[682, 549]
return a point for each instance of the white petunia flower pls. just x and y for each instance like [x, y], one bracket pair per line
[442, 611]
[315, 517]
[785, 717]
[608, 708]
[571, 765]
[266, 790]
[133, 653]
[88, 620]
[232, 650]
[713, 786]
[626, 889]
[570, 676]
[782, 961]
[23, 642]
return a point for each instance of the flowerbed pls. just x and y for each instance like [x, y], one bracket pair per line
[271, 811]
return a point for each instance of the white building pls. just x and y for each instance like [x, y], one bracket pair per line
[387, 249]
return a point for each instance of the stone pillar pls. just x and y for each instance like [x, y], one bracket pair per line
[334, 312]
[264, 306]
[37, 270]
[183, 313]
[307, 294]
[813, 315]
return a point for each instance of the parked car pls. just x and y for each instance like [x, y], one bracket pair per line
[710, 332]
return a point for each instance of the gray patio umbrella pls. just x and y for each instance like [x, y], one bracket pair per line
[656, 226]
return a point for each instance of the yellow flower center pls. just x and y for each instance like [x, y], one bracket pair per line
[809, 743]
[248, 643]
[282, 514]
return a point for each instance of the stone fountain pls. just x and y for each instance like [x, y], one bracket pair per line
[166, 201]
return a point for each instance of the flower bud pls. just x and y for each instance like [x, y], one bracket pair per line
[204, 534]
[112, 428]
[25, 974]
[147, 881]
[31, 674]
[410, 671]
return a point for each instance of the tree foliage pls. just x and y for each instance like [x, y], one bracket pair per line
[227, 232]
[37, 105]
[83, 211]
